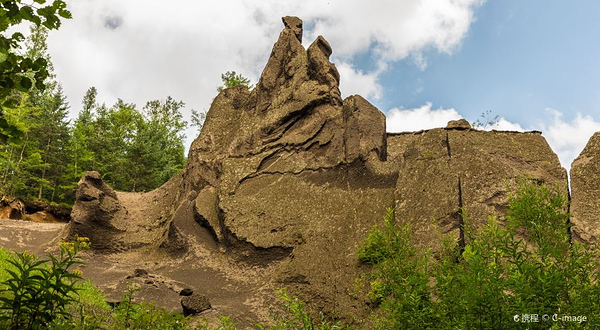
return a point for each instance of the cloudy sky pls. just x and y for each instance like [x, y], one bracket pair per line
[534, 63]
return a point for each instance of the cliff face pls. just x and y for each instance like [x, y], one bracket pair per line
[291, 177]
[442, 171]
[585, 195]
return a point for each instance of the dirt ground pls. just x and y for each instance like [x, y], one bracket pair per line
[233, 287]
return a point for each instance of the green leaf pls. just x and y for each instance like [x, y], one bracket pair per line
[65, 13]
[13, 9]
[17, 36]
[39, 84]
[28, 14]
[25, 83]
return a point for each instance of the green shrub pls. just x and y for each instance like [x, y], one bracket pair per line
[49, 294]
[399, 284]
[524, 266]
[296, 316]
[38, 291]
[130, 315]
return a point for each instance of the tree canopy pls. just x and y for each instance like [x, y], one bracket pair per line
[134, 149]
[18, 71]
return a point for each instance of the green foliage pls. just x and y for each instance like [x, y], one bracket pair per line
[400, 282]
[198, 119]
[19, 72]
[231, 79]
[525, 265]
[32, 167]
[134, 150]
[38, 291]
[297, 316]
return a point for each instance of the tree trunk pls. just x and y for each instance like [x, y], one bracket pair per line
[47, 151]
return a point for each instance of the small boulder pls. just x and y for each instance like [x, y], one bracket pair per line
[194, 304]
[186, 292]
[140, 272]
[459, 124]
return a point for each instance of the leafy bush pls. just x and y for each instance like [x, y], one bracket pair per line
[509, 273]
[231, 79]
[50, 294]
[297, 316]
[38, 291]
[400, 283]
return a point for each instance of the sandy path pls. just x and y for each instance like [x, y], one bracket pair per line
[22, 235]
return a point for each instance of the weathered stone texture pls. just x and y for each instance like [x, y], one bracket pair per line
[442, 171]
[290, 177]
[585, 192]
[194, 304]
[117, 221]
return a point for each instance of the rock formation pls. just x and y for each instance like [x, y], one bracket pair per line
[291, 177]
[11, 208]
[116, 221]
[585, 193]
[442, 171]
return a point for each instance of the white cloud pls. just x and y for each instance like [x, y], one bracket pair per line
[355, 81]
[406, 120]
[568, 138]
[503, 125]
[140, 50]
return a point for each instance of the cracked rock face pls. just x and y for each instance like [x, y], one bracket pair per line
[95, 211]
[290, 176]
[442, 171]
[585, 193]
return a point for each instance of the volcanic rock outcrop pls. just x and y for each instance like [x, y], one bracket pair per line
[442, 171]
[291, 176]
[585, 193]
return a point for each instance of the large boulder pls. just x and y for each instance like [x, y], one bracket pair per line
[194, 304]
[585, 193]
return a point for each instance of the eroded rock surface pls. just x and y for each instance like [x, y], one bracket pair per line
[288, 178]
[442, 171]
[585, 193]
[117, 221]
[12, 208]
[194, 304]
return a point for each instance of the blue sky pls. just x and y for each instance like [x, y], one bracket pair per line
[533, 63]
[518, 58]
